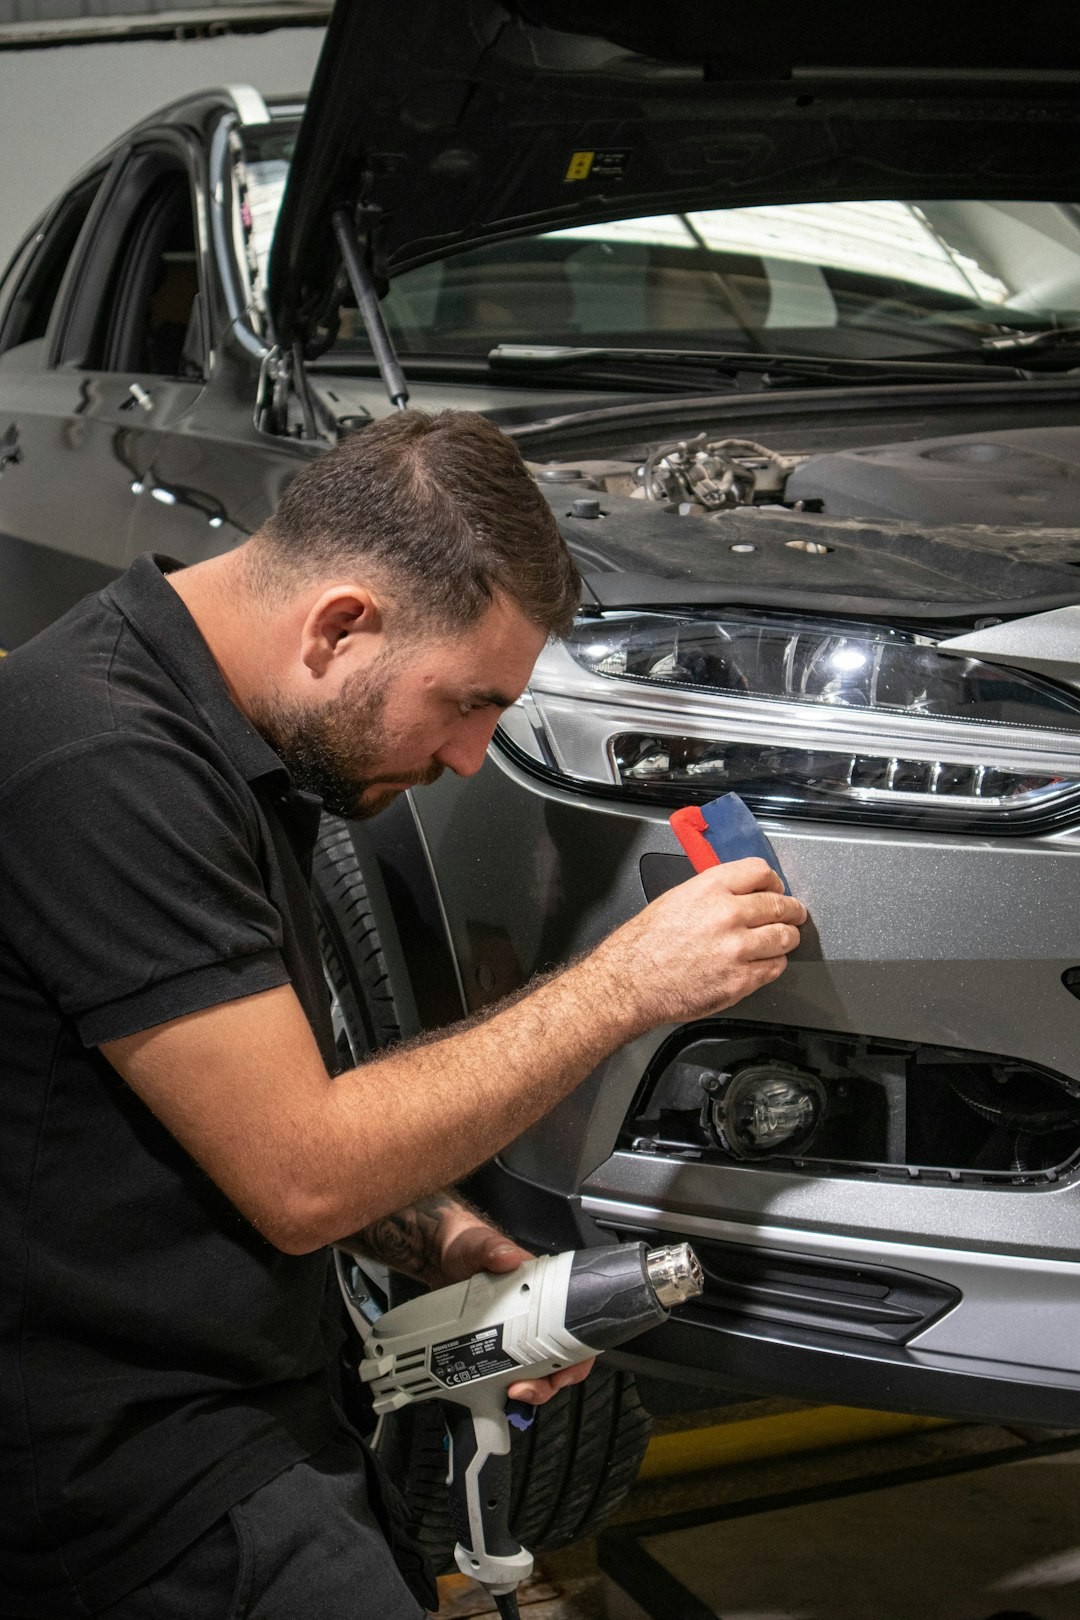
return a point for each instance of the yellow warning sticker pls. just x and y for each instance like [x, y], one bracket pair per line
[604, 163]
[580, 164]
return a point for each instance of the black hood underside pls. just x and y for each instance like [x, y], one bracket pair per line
[438, 128]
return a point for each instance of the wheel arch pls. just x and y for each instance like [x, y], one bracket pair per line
[403, 900]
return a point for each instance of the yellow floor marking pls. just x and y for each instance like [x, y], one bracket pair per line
[818, 1429]
[454, 1583]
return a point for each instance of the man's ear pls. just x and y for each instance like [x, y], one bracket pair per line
[339, 622]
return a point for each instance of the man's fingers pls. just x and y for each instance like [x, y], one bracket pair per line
[502, 1255]
[573, 1375]
[704, 945]
[773, 939]
[759, 909]
[477, 1247]
[764, 971]
[537, 1391]
[756, 886]
[747, 875]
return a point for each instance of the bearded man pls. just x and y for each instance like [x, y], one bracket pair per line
[178, 1153]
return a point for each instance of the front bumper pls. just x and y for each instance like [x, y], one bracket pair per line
[946, 941]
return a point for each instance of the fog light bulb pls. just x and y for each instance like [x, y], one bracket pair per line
[768, 1108]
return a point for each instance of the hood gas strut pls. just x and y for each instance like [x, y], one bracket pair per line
[370, 313]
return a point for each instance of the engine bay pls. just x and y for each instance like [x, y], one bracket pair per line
[1027, 475]
[982, 516]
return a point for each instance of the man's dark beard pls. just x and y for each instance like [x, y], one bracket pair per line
[336, 751]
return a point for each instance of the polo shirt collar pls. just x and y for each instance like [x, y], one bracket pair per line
[165, 627]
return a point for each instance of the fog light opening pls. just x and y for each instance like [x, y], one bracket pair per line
[818, 1103]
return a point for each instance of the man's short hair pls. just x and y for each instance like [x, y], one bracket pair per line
[441, 508]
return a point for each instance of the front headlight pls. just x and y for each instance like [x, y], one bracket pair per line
[799, 716]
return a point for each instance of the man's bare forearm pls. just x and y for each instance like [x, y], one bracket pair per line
[413, 1240]
[419, 1118]
[311, 1160]
[408, 1240]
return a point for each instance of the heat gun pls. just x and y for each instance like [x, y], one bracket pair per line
[465, 1344]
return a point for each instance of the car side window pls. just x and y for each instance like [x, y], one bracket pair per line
[154, 324]
[39, 269]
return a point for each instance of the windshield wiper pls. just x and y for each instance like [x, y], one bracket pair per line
[689, 367]
[1060, 344]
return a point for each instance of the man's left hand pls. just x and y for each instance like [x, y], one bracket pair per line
[476, 1248]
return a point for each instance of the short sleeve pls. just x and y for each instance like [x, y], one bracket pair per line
[131, 886]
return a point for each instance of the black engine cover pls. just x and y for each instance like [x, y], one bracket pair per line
[1024, 475]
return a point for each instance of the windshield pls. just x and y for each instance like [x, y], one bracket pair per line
[857, 279]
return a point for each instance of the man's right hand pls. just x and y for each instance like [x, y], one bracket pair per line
[704, 945]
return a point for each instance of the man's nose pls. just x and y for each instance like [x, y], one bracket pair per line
[464, 752]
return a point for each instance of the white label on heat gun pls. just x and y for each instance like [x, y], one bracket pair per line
[477, 1355]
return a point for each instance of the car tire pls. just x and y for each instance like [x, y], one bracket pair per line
[366, 1015]
[573, 1467]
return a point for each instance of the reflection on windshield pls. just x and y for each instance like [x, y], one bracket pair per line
[853, 279]
[877, 238]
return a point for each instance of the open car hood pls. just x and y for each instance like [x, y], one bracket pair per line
[440, 127]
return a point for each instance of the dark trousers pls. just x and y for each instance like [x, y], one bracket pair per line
[304, 1546]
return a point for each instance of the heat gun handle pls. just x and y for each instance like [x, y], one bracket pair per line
[480, 1496]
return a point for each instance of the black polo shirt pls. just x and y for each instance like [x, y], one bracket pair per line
[158, 1359]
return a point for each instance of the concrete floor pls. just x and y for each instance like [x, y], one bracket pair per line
[992, 1541]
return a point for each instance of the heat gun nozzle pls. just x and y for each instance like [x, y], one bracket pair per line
[675, 1273]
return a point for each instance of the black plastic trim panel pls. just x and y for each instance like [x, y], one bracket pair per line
[852, 1372]
[540, 1219]
[714, 1360]
[756, 1289]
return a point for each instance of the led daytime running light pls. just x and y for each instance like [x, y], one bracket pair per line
[706, 769]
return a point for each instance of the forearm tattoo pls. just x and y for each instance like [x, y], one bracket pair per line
[408, 1240]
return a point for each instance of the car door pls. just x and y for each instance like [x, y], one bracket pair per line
[121, 355]
[31, 527]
